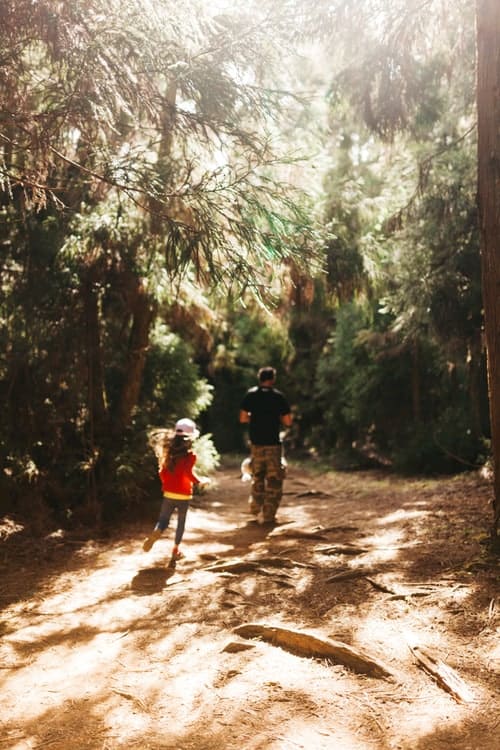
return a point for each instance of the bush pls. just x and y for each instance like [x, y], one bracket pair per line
[445, 446]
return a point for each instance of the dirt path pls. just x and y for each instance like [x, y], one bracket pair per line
[103, 648]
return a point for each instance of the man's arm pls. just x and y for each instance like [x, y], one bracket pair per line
[244, 417]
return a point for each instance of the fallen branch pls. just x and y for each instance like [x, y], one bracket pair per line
[340, 528]
[281, 562]
[444, 675]
[346, 575]
[491, 610]
[131, 697]
[304, 644]
[235, 647]
[399, 591]
[233, 566]
[342, 549]
[258, 566]
[313, 493]
[298, 534]
[285, 580]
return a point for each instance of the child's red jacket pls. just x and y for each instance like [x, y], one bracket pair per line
[179, 482]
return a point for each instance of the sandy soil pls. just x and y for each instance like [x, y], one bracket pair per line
[104, 647]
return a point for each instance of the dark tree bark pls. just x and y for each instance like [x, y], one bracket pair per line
[144, 311]
[415, 382]
[488, 106]
[95, 372]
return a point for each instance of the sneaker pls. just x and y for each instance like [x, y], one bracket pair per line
[177, 554]
[269, 522]
[150, 540]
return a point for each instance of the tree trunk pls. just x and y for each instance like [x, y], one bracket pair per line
[95, 378]
[488, 106]
[144, 311]
[159, 208]
[415, 382]
[95, 388]
[475, 374]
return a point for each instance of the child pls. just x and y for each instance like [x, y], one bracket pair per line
[177, 479]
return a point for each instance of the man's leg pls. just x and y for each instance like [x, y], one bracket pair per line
[274, 485]
[258, 465]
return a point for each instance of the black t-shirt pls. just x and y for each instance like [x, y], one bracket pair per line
[266, 406]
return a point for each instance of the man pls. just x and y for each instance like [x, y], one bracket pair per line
[266, 411]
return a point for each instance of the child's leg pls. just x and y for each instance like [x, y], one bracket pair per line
[167, 508]
[182, 509]
[166, 511]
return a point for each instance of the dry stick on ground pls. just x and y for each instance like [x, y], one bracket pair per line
[235, 647]
[240, 565]
[314, 493]
[282, 562]
[339, 528]
[380, 586]
[342, 549]
[444, 675]
[232, 566]
[346, 575]
[304, 644]
[297, 534]
[401, 592]
[130, 697]
[491, 610]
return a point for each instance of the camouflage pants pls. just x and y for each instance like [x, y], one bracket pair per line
[267, 480]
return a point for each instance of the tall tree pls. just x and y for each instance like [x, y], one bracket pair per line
[143, 130]
[488, 111]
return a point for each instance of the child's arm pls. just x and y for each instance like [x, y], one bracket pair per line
[196, 478]
[202, 481]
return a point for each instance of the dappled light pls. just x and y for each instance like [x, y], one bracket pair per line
[8, 527]
[193, 195]
[115, 650]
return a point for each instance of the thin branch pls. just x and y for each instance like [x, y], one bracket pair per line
[393, 223]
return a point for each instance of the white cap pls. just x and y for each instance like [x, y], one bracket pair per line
[186, 427]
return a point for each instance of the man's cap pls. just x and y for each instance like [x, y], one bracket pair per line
[186, 427]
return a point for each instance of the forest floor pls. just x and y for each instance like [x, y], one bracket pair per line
[104, 647]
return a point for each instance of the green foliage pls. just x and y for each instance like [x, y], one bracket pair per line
[404, 238]
[129, 480]
[153, 253]
[251, 338]
[444, 445]
[172, 387]
[344, 380]
[137, 157]
[382, 397]
[258, 339]
[208, 457]
[435, 270]
[133, 478]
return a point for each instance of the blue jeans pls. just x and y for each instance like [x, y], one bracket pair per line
[167, 508]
